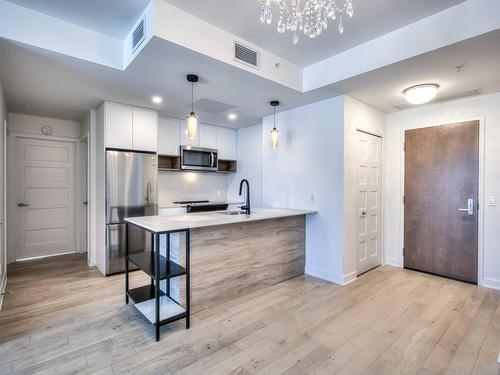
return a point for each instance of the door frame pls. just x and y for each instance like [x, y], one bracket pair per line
[481, 197]
[11, 164]
[82, 144]
[381, 196]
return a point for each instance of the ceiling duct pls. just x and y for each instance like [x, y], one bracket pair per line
[246, 55]
[138, 35]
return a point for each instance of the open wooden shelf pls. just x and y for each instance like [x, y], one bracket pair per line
[169, 162]
[227, 166]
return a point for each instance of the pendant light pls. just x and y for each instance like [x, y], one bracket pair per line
[274, 132]
[192, 119]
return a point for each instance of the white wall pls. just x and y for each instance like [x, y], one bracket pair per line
[184, 186]
[306, 171]
[3, 247]
[486, 108]
[29, 124]
[59, 36]
[249, 147]
[357, 116]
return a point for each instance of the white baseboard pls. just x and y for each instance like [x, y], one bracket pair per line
[490, 283]
[45, 256]
[330, 276]
[350, 277]
[3, 286]
[395, 262]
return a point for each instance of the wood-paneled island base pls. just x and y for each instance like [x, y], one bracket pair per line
[234, 255]
[231, 260]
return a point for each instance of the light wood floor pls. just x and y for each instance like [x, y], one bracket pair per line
[63, 317]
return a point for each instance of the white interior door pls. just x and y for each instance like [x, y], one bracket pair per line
[45, 191]
[369, 202]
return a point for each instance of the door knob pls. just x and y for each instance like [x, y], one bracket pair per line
[470, 207]
[22, 204]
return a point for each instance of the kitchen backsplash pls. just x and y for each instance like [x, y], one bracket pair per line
[175, 186]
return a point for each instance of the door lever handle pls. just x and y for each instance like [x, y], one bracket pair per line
[470, 207]
[22, 204]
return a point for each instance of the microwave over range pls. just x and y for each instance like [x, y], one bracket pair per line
[199, 159]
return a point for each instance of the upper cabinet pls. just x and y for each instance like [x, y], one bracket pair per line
[145, 130]
[226, 143]
[208, 136]
[185, 141]
[118, 121]
[130, 128]
[168, 136]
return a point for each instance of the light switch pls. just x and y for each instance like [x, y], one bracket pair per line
[492, 200]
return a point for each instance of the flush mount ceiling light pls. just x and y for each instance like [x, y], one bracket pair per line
[274, 132]
[421, 94]
[156, 99]
[192, 119]
[232, 116]
[311, 18]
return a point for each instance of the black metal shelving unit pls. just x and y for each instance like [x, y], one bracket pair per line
[157, 306]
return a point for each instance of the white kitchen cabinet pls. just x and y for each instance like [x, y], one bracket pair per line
[226, 143]
[118, 120]
[145, 130]
[185, 141]
[208, 136]
[130, 128]
[168, 136]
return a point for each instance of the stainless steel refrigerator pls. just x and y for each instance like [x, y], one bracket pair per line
[131, 190]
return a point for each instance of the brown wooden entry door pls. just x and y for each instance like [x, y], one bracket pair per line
[441, 192]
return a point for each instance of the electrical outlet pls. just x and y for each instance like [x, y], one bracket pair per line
[492, 200]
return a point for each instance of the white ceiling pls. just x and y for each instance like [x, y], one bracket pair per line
[59, 86]
[372, 18]
[111, 17]
[383, 88]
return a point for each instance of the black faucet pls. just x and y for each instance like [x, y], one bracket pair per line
[246, 207]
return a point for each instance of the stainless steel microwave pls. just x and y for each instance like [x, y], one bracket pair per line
[199, 159]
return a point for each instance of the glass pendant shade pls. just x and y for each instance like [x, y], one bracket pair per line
[192, 119]
[274, 132]
[192, 126]
[274, 138]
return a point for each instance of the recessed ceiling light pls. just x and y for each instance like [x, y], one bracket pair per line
[157, 99]
[232, 116]
[421, 94]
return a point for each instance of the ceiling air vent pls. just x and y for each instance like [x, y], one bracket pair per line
[246, 55]
[138, 36]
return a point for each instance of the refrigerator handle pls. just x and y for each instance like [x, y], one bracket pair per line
[148, 192]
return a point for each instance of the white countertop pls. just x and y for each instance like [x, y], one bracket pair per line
[207, 219]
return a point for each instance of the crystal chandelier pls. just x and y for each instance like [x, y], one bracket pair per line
[312, 17]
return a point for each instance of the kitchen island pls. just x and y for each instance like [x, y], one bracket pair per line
[230, 254]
